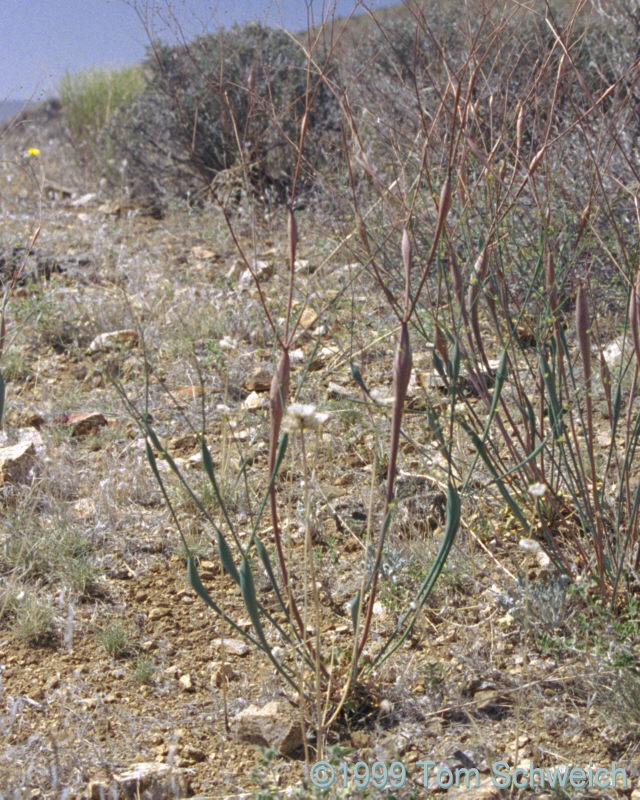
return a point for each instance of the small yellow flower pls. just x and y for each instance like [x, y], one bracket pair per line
[33, 151]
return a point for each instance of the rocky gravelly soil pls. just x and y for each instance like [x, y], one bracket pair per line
[505, 664]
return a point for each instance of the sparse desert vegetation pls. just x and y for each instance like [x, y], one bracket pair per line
[320, 431]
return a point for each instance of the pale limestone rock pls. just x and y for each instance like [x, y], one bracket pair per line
[235, 647]
[150, 780]
[16, 461]
[276, 725]
[253, 401]
[114, 340]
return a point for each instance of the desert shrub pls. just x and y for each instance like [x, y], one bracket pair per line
[235, 97]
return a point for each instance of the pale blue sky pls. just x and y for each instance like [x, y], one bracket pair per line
[41, 39]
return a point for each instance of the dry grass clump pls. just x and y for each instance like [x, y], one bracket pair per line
[34, 618]
[116, 640]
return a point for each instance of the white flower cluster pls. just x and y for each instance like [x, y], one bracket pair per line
[228, 343]
[302, 417]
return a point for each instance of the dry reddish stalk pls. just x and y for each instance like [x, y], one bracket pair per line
[480, 269]
[584, 344]
[634, 316]
[582, 329]
[441, 344]
[278, 398]
[402, 364]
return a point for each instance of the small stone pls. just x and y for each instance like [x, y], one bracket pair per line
[235, 647]
[337, 392]
[185, 442]
[263, 270]
[193, 754]
[323, 357]
[114, 340]
[208, 569]
[153, 781]
[258, 381]
[84, 424]
[16, 462]
[201, 253]
[158, 613]
[186, 683]
[253, 401]
[544, 562]
[83, 200]
[188, 392]
[275, 725]
[308, 318]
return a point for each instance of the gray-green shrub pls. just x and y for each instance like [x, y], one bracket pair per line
[237, 96]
